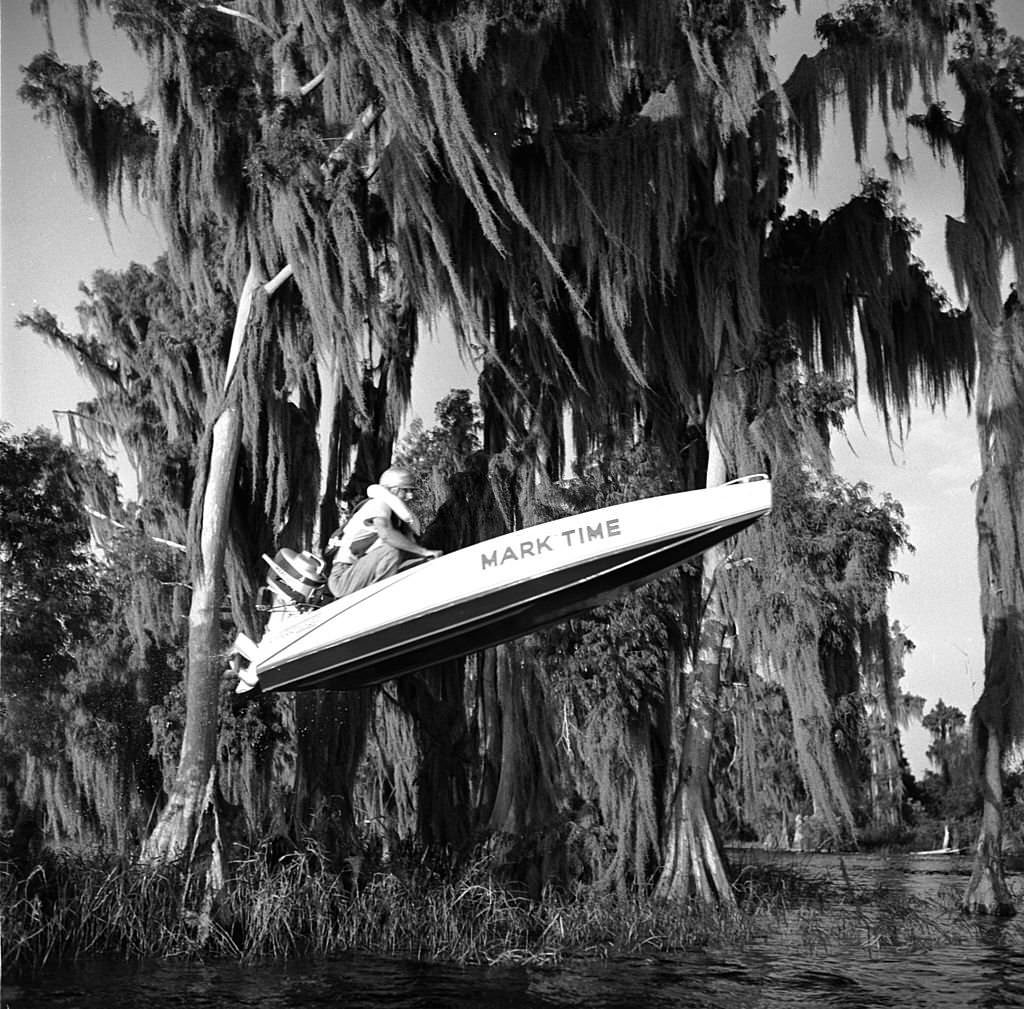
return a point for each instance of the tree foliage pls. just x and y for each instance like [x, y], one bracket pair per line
[950, 790]
[89, 642]
[817, 622]
[108, 145]
[49, 579]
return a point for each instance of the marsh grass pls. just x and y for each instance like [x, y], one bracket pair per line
[71, 907]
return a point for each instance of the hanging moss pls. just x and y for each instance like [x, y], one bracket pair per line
[386, 790]
[759, 793]
[819, 273]
[838, 547]
[109, 147]
[874, 53]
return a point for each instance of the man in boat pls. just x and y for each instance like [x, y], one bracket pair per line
[379, 537]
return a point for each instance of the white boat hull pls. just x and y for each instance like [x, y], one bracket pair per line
[497, 590]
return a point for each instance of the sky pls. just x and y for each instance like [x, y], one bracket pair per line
[51, 240]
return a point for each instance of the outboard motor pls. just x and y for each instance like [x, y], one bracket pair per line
[296, 578]
[296, 582]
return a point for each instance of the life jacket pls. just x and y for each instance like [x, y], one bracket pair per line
[334, 540]
[401, 518]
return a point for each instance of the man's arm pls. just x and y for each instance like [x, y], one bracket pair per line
[396, 538]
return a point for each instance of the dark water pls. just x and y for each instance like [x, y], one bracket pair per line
[853, 953]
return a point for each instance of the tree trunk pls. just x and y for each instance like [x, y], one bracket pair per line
[693, 864]
[174, 831]
[436, 700]
[488, 726]
[328, 371]
[692, 860]
[999, 714]
[331, 728]
[987, 892]
[526, 802]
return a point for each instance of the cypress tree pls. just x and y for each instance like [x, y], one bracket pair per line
[987, 145]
